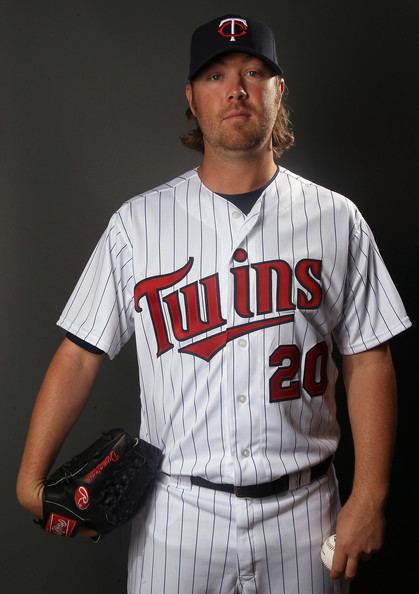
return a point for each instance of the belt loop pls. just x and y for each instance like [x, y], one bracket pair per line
[300, 479]
[305, 477]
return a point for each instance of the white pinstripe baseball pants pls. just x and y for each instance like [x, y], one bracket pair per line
[191, 540]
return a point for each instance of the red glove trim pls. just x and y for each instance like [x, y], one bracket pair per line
[60, 525]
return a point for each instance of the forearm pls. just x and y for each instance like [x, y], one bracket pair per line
[371, 394]
[62, 397]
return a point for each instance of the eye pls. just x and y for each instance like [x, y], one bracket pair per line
[256, 73]
[214, 76]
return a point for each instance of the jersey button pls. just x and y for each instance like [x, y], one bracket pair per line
[246, 453]
[242, 343]
[236, 214]
[242, 398]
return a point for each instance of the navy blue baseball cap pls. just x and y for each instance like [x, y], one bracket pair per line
[232, 33]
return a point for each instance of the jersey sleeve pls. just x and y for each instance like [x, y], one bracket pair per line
[100, 309]
[373, 311]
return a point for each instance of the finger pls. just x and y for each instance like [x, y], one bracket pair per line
[351, 568]
[337, 574]
[340, 560]
[88, 532]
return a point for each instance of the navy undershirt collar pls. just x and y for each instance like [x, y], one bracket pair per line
[246, 201]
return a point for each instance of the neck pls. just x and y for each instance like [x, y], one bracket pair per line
[236, 173]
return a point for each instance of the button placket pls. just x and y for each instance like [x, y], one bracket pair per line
[241, 417]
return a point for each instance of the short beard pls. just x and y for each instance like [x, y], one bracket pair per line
[238, 137]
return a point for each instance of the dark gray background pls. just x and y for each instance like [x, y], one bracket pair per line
[91, 108]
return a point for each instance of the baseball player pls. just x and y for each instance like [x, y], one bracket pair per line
[236, 278]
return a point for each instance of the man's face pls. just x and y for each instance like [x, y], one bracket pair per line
[235, 100]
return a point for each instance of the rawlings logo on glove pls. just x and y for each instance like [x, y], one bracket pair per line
[101, 488]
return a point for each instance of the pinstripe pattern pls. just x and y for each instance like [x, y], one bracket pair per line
[194, 540]
[224, 417]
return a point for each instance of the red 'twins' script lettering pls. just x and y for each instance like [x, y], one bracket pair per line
[188, 305]
[194, 325]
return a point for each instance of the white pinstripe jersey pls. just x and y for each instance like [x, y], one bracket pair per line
[234, 317]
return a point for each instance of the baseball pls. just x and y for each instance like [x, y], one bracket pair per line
[327, 551]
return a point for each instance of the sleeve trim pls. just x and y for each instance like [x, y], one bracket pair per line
[87, 346]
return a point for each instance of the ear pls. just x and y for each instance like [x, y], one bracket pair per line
[281, 86]
[189, 97]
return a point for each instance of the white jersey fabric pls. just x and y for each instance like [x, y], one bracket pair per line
[234, 319]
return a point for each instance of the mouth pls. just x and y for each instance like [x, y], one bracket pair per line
[237, 115]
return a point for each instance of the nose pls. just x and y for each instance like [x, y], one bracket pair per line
[237, 92]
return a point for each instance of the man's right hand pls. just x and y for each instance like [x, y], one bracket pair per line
[31, 500]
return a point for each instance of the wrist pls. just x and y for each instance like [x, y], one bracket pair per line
[30, 496]
[375, 495]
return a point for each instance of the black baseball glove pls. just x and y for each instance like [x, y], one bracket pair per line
[102, 487]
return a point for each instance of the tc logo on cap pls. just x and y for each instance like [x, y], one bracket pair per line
[233, 28]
